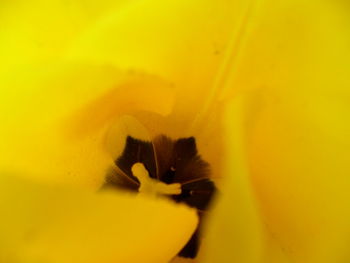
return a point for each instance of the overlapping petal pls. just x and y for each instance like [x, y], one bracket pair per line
[235, 231]
[293, 69]
[172, 39]
[177, 41]
[54, 120]
[45, 223]
[289, 59]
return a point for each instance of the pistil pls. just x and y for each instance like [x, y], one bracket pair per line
[152, 186]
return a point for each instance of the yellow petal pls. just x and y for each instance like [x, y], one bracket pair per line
[118, 132]
[172, 39]
[177, 41]
[39, 30]
[43, 223]
[294, 68]
[233, 229]
[54, 120]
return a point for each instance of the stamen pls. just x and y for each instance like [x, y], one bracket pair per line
[166, 167]
[151, 186]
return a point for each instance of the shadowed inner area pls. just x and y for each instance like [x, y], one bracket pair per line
[169, 161]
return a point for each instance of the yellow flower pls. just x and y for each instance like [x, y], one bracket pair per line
[287, 131]
[62, 110]
[261, 85]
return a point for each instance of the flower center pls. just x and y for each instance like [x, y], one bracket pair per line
[152, 186]
[165, 167]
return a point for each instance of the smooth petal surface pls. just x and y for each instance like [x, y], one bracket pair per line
[234, 228]
[172, 39]
[38, 30]
[54, 119]
[185, 48]
[176, 41]
[43, 223]
[293, 69]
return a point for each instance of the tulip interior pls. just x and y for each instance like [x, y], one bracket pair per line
[165, 167]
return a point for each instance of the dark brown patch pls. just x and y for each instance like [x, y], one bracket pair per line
[170, 161]
[180, 159]
[197, 194]
[190, 250]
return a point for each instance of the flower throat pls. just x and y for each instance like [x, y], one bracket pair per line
[172, 168]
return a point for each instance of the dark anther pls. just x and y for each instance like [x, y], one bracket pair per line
[170, 161]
